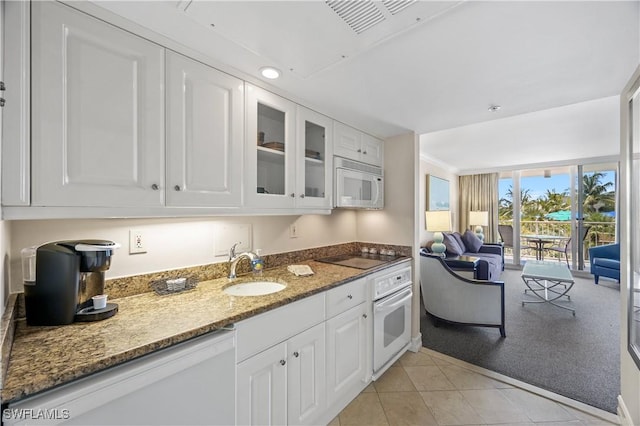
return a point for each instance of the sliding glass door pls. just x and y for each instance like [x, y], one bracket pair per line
[596, 209]
[559, 212]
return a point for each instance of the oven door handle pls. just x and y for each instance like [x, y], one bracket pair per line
[394, 300]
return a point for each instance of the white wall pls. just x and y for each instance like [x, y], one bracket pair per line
[394, 224]
[429, 167]
[177, 243]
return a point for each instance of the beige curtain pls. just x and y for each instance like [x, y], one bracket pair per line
[480, 193]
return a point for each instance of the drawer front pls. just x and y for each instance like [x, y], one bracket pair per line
[265, 330]
[345, 297]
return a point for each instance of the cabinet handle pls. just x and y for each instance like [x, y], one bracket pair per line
[364, 152]
[364, 316]
[296, 354]
[293, 195]
[155, 187]
[283, 362]
[359, 150]
[177, 188]
[301, 195]
[349, 296]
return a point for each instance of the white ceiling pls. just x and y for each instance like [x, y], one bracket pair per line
[431, 66]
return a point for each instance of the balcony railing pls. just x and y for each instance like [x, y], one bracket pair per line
[600, 233]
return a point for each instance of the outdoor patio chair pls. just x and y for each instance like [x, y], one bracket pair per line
[566, 248]
[506, 235]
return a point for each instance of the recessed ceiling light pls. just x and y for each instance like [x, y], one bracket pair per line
[269, 72]
[494, 108]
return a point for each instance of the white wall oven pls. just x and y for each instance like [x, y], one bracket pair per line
[358, 185]
[392, 294]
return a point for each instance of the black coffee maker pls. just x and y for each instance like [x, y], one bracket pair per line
[67, 275]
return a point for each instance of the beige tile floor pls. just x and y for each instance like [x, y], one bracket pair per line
[429, 388]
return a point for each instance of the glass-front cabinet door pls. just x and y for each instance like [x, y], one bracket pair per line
[270, 166]
[314, 159]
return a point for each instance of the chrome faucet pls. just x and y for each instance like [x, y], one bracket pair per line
[234, 259]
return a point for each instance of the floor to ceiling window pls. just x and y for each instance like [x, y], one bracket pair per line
[560, 212]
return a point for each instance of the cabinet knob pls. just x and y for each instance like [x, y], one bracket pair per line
[364, 152]
[283, 362]
[364, 316]
[296, 354]
[293, 195]
[349, 296]
[301, 195]
[155, 187]
[359, 150]
[177, 188]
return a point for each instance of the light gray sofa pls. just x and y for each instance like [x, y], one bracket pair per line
[449, 297]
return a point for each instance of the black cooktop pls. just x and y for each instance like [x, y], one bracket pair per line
[359, 261]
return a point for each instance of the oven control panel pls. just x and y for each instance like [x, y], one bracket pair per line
[392, 281]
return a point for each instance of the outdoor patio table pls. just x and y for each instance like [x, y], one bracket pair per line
[540, 241]
[549, 281]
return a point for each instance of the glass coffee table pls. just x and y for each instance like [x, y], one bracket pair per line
[549, 281]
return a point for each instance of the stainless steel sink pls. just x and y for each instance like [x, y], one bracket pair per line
[254, 288]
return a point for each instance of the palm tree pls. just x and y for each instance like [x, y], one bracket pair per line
[505, 209]
[596, 194]
[553, 201]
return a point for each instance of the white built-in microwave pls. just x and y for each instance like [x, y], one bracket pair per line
[357, 185]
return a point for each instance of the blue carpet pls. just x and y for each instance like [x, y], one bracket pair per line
[577, 357]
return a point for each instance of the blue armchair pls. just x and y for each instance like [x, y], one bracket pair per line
[605, 261]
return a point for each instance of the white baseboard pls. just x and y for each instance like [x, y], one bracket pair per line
[416, 343]
[623, 413]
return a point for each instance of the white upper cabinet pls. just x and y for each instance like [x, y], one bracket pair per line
[205, 119]
[97, 112]
[288, 153]
[270, 154]
[356, 145]
[372, 150]
[314, 159]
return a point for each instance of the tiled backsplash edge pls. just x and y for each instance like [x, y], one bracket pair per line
[129, 286]
[6, 333]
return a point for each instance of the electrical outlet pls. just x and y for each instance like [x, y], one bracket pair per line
[136, 242]
[293, 231]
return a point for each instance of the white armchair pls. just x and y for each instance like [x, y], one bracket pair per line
[452, 298]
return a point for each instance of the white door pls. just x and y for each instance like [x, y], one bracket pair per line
[372, 150]
[314, 160]
[262, 388]
[306, 377]
[205, 116]
[346, 352]
[97, 112]
[270, 150]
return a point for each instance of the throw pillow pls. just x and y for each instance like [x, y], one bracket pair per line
[452, 245]
[459, 240]
[472, 242]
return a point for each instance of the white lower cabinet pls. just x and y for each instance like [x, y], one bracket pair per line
[284, 384]
[262, 388]
[348, 347]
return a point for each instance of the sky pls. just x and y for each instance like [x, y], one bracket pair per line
[538, 185]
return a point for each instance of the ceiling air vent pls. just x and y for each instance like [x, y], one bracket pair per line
[360, 15]
[396, 6]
